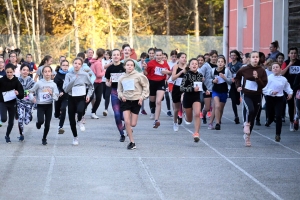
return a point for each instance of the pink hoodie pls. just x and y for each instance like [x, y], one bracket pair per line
[98, 70]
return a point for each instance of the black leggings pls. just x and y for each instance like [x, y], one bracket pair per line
[274, 107]
[235, 99]
[75, 105]
[9, 108]
[167, 96]
[106, 94]
[251, 105]
[98, 89]
[291, 105]
[60, 109]
[44, 114]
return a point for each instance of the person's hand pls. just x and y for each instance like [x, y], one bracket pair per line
[291, 63]
[60, 94]
[239, 89]
[255, 74]
[274, 93]
[123, 99]
[144, 65]
[50, 91]
[87, 99]
[289, 96]
[165, 72]
[108, 83]
[233, 80]
[140, 101]
[16, 92]
[207, 92]
[34, 100]
[215, 80]
[222, 75]
[196, 89]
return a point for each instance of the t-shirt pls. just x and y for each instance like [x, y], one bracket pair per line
[220, 87]
[235, 68]
[171, 64]
[2, 73]
[154, 70]
[114, 72]
[292, 71]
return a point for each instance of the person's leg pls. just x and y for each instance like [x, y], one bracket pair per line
[159, 97]
[152, 104]
[128, 124]
[107, 96]
[72, 107]
[256, 102]
[168, 104]
[291, 106]
[278, 113]
[80, 108]
[48, 115]
[63, 110]
[188, 114]
[57, 106]
[196, 111]
[3, 111]
[217, 110]
[28, 113]
[176, 107]
[11, 117]
[40, 115]
[21, 116]
[98, 94]
[270, 109]
[115, 103]
[207, 102]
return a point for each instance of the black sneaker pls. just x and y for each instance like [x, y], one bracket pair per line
[21, 138]
[122, 138]
[267, 124]
[169, 114]
[218, 127]
[277, 138]
[179, 120]
[44, 141]
[131, 146]
[283, 119]
[7, 139]
[38, 126]
[204, 120]
[237, 120]
[258, 123]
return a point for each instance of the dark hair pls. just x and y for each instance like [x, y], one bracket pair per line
[159, 50]
[115, 50]
[130, 61]
[46, 58]
[125, 45]
[261, 56]
[239, 58]
[201, 56]
[151, 49]
[100, 52]
[25, 64]
[247, 55]
[81, 55]
[46, 67]
[10, 66]
[180, 54]
[293, 49]
[212, 52]
[206, 54]
[58, 66]
[89, 49]
[78, 58]
[12, 52]
[166, 55]
[189, 63]
[280, 54]
[144, 55]
[275, 44]
[28, 55]
[108, 52]
[273, 63]
[62, 57]
[173, 52]
[222, 57]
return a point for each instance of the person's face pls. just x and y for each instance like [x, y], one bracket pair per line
[1, 63]
[77, 65]
[158, 56]
[47, 73]
[200, 61]
[272, 48]
[49, 62]
[25, 71]
[293, 55]
[262, 59]
[182, 59]
[64, 66]
[116, 56]
[129, 67]
[221, 62]
[213, 58]
[151, 54]
[143, 59]
[280, 59]
[13, 58]
[164, 57]
[174, 58]
[233, 57]
[106, 55]
[127, 52]
[276, 69]
[29, 59]
[193, 65]
[90, 54]
[9, 73]
[245, 60]
[254, 59]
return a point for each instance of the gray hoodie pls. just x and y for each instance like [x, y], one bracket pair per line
[206, 70]
[41, 90]
[83, 79]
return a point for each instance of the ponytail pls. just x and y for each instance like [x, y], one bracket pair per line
[46, 58]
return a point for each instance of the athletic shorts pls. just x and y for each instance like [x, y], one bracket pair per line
[222, 96]
[156, 85]
[176, 94]
[133, 106]
[188, 100]
[207, 96]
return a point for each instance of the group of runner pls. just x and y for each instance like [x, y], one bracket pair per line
[199, 89]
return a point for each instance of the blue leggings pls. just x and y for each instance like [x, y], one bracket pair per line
[115, 103]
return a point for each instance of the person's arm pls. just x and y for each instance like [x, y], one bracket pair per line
[120, 89]
[55, 93]
[108, 65]
[20, 90]
[238, 78]
[287, 88]
[185, 84]
[68, 84]
[174, 70]
[90, 85]
[36, 76]
[262, 80]
[145, 85]
[286, 67]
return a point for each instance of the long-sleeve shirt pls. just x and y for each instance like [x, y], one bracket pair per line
[83, 79]
[27, 84]
[59, 80]
[277, 84]
[41, 90]
[296, 85]
[97, 68]
[86, 69]
[133, 86]
[251, 85]
[187, 84]
[206, 71]
[7, 85]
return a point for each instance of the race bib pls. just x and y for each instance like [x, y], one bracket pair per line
[178, 81]
[199, 84]
[45, 97]
[251, 85]
[128, 84]
[9, 95]
[220, 80]
[158, 71]
[78, 91]
[115, 77]
[294, 69]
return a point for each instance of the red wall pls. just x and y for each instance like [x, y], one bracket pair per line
[266, 25]
[232, 24]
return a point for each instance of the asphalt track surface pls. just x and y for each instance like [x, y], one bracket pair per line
[166, 164]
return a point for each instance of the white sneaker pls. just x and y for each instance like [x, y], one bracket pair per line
[292, 127]
[175, 127]
[75, 141]
[81, 126]
[94, 116]
[105, 113]
[151, 116]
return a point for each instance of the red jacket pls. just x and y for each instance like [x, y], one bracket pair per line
[97, 68]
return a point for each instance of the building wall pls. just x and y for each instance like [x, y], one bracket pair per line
[294, 24]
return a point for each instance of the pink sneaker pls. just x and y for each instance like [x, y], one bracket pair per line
[247, 128]
[210, 127]
[208, 114]
[201, 115]
[247, 140]
[143, 112]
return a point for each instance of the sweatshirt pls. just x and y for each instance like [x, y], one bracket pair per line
[42, 94]
[59, 80]
[136, 65]
[133, 86]
[97, 68]
[27, 84]
[277, 84]
[7, 84]
[206, 70]
[187, 84]
[83, 79]
[86, 69]
[251, 86]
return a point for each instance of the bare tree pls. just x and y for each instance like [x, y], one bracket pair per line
[168, 17]
[33, 28]
[37, 41]
[10, 22]
[76, 28]
[42, 17]
[196, 20]
[211, 19]
[17, 20]
[111, 31]
[93, 24]
[130, 24]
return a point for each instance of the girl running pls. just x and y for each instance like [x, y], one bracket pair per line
[2, 73]
[254, 80]
[133, 88]
[75, 85]
[142, 63]
[24, 106]
[45, 92]
[191, 85]
[106, 90]
[10, 89]
[47, 61]
[62, 102]
[112, 75]
[274, 97]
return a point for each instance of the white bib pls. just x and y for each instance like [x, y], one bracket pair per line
[115, 77]
[199, 84]
[9, 95]
[45, 96]
[220, 80]
[128, 84]
[294, 69]
[158, 71]
[178, 81]
[251, 85]
[78, 91]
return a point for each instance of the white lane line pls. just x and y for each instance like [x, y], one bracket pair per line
[50, 171]
[152, 180]
[239, 168]
[279, 143]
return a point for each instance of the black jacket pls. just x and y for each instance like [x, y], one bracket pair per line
[59, 80]
[11, 84]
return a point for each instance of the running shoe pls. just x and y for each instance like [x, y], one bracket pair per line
[122, 138]
[21, 138]
[218, 127]
[131, 146]
[292, 127]
[44, 141]
[105, 113]
[7, 139]
[208, 114]
[204, 120]
[169, 114]
[201, 115]
[296, 124]
[61, 130]
[196, 137]
[179, 120]
[258, 123]
[247, 128]
[81, 126]
[175, 127]
[156, 124]
[143, 112]
[75, 141]
[210, 127]
[152, 116]
[277, 138]
[94, 116]
[236, 120]
[83, 120]
[185, 121]
[247, 140]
